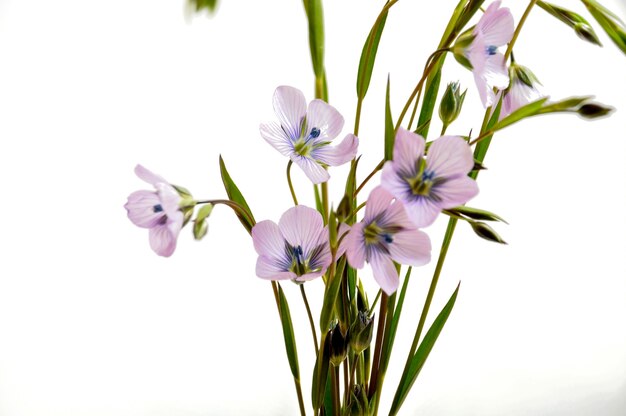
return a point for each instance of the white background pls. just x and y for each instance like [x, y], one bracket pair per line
[92, 322]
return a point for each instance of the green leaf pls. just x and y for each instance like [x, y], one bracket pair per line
[424, 349]
[320, 372]
[389, 127]
[430, 97]
[330, 296]
[475, 214]
[290, 340]
[235, 195]
[609, 21]
[368, 56]
[527, 110]
[315, 14]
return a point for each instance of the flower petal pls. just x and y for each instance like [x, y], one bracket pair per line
[377, 203]
[384, 271]
[313, 170]
[310, 276]
[455, 192]
[269, 242]
[355, 246]
[267, 268]
[141, 209]
[411, 247]
[277, 138]
[449, 156]
[391, 180]
[422, 212]
[495, 71]
[496, 25]
[407, 148]
[169, 197]
[162, 240]
[148, 176]
[337, 155]
[342, 238]
[302, 226]
[324, 117]
[290, 108]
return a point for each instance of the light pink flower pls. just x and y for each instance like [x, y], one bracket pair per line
[296, 249]
[386, 235]
[304, 134]
[494, 29]
[426, 185]
[524, 89]
[156, 210]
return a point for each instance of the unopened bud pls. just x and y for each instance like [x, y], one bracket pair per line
[485, 231]
[338, 345]
[358, 404]
[361, 332]
[451, 103]
[594, 110]
[586, 32]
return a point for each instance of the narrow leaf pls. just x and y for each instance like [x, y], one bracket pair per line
[612, 25]
[581, 26]
[290, 340]
[476, 214]
[389, 127]
[368, 56]
[527, 110]
[235, 195]
[424, 349]
[330, 296]
[315, 16]
[430, 97]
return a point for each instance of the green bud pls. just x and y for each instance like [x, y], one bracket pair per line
[338, 345]
[451, 103]
[187, 213]
[483, 230]
[200, 228]
[361, 332]
[199, 5]
[586, 32]
[520, 73]
[594, 110]
[358, 404]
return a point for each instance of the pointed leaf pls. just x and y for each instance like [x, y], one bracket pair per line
[368, 56]
[330, 296]
[290, 340]
[424, 349]
[476, 214]
[389, 127]
[235, 195]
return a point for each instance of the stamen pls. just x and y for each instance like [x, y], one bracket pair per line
[157, 208]
[491, 49]
[315, 133]
[388, 238]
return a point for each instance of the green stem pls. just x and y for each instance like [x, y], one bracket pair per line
[308, 312]
[369, 313]
[370, 176]
[232, 205]
[380, 334]
[293, 193]
[335, 390]
[518, 29]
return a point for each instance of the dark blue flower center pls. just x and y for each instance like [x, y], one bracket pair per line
[157, 208]
[388, 238]
[315, 133]
[491, 49]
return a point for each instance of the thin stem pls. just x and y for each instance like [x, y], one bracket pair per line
[518, 29]
[293, 193]
[369, 313]
[325, 201]
[231, 204]
[346, 387]
[372, 173]
[379, 345]
[308, 312]
[335, 390]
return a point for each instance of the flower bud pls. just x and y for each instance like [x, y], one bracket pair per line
[358, 404]
[586, 32]
[338, 345]
[464, 40]
[593, 110]
[451, 103]
[361, 332]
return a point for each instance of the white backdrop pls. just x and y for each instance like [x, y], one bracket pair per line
[92, 322]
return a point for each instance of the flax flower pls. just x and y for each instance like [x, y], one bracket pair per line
[386, 234]
[494, 29]
[304, 134]
[296, 248]
[156, 210]
[524, 89]
[428, 185]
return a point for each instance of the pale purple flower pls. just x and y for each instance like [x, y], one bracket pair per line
[494, 29]
[386, 234]
[158, 211]
[304, 134]
[524, 89]
[296, 248]
[426, 185]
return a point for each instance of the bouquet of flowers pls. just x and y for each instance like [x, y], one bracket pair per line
[384, 233]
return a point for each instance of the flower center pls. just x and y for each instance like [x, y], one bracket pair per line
[491, 49]
[157, 208]
[374, 234]
[303, 145]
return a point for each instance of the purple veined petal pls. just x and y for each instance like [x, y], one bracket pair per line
[396, 216]
[269, 242]
[496, 25]
[384, 272]
[411, 247]
[169, 197]
[449, 156]
[377, 203]
[325, 118]
[320, 255]
[277, 138]
[175, 223]
[495, 71]
[407, 148]
[337, 155]
[455, 192]
[267, 268]
[162, 240]
[310, 276]
[302, 226]
[290, 108]
[141, 209]
[355, 246]
[422, 212]
[313, 170]
[148, 176]
[394, 182]
[342, 238]
[518, 95]
[484, 90]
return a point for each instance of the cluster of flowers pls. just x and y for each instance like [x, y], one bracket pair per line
[416, 185]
